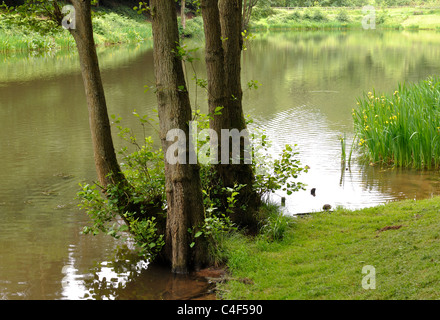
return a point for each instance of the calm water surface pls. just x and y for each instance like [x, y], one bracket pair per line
[310, 82]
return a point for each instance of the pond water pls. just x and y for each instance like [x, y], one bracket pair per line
[310, 82]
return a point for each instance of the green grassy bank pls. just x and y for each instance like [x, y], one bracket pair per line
[110, 27]
[411, 18]
[124, 25]
[322, 256]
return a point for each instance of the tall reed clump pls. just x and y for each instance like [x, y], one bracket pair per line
[402, 129]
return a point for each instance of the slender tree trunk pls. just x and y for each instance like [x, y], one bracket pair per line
[182, 14]
[214, 58]
[243, 20]
[223, 41]
[184, 196]
[248, 6]
[106, 163]
[230, 19]
[231, 23]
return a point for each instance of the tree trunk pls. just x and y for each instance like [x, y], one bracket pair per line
[106, 163]
[248, 6]
[243, 20]
[184, 196]
[231, 174]
[214, 58]
[182, 14]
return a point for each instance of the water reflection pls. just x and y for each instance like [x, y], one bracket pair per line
[310, 84]
[127, 277]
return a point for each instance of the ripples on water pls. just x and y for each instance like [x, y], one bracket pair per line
[320, 149]
[356, 186]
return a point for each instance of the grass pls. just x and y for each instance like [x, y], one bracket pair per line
[113, 28]
[403, 128]
[322, 256]
[123, 26]
[194, 28]
[119, 25]
[329, 18]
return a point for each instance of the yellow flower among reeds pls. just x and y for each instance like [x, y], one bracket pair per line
[402, 128]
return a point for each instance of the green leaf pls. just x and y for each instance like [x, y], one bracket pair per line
[218, 109]
[198, 234]
[123, 228]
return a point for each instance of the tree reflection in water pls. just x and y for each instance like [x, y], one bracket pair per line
[128, 277]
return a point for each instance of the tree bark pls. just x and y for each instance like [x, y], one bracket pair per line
[245, 10]
[106, 163]
[214, 58]
[107, 166]
[222, 21]
[184, 196]
[248, 6]
[182, 14]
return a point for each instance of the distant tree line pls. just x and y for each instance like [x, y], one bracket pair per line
[193, 6]
[339, 3]
[101, 2]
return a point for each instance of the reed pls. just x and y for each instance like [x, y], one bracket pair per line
[343, 148]
[403, 128]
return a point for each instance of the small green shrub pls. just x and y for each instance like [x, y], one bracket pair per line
[271, 174]
[295, 15]
[382, 17]
[261, 12]
[217, 227]
[194, 27]
[144, 170]
[318, 16]
[274, 223]
[308, 14]
[343, 16]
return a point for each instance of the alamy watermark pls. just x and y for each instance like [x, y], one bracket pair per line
[369, 281]
[369, 20]
[231, 140]
[69, 20]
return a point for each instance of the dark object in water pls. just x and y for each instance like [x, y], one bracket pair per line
[326, 207]
[312, 192]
